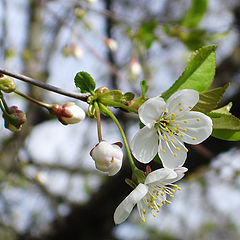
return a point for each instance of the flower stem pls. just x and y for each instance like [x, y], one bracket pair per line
[2, 108]
[111, 115]
[98, 121]
[4, 103]
[42, 104]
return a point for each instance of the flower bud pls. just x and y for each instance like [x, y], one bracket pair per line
[15, 119]
[7, 84]
[108, 157]
[68, 113]
[111, 44]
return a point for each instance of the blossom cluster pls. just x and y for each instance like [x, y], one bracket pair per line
[167, 126]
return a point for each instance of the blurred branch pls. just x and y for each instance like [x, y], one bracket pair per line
[79, 96]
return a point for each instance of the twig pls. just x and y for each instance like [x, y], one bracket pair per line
[80, 96]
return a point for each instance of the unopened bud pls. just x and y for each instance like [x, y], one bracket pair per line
[14, 119]
[68, 113]
[108, 157]
[111, 44]
[7, 84]
[135, 67]
[92, 111]
[102, 90]
[73, 50]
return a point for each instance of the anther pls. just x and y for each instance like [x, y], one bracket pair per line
[180, 109]
[178, 126]
[143, 219]
[190, 107]
[169, 202]
[181, 135]
[154, 214]
[175, 155]
[112, 161]
[178, 148]
[198, 119]
[184, 129]
[179, 103]
[144, 211]
[193, 138]
[163, 202]
[185, 121]
[186, 150]
[172, 140]
[165, 138]
[164, 151]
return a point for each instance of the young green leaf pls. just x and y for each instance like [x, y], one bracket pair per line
[144, 87]
[209, 100]
[229, 135]
[195, 13]
[84, 82]
[225, 109]
[199, 72]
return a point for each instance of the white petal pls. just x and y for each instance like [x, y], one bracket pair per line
[182, 101]
[151, 110]
[198, 127]
[180, 174]
[159, 175]
[172, 152]
[125, 207]
[145, 144]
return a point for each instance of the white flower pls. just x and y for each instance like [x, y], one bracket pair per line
[108, 157]
[168, 126]
[151, 195]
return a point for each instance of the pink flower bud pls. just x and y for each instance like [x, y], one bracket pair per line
[108, 157]
[15, 119]
[68, 113]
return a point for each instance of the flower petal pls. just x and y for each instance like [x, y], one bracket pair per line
[195, 127]
[125, 207]
[151, 110]
[182, 101]
[145, 144]
[159, 175]
[180, 174]
[172, 151]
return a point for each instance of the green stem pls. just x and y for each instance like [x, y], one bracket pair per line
[4, 103]
[111, 115]
[42, 104]
[2, 108]
[98, 121]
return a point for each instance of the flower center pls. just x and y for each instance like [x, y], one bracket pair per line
[156, 197]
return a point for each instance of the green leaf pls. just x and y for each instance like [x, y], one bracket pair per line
[225, 110]
[85, 82]
[146, 34]
[144, 87]
[224, 121]
[195, 13]
[209, 100]
[129, 96]
[229, 135]
[199, 72]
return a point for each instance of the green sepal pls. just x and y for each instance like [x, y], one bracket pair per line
[225, 109]
[138, 176]
[199, 72]
[130, 182]
[209, 100]
[144, 87]
[85, 82]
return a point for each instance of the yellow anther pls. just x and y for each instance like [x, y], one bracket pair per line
[185, 121]
[190, 107]
[177, 131]
[170, 134]
[168, 202]
[164, 111]
[175, 155]
[162, 119]
[172, 190]
[112, 161]
[162, 193]
[158, 210]
[173, 121]
[143, 219]
[167, 129]
[154, 214]
[178, 126]
[154, 121]
[155, 198]
[179, 103]
[159, 205]
[154, 191]
[154, 207]
[186, 150]
[164, 151]
[149, 205]
[181, 135]
[167, 121]
[180, 109]
[171, 195]
[198, 119]
[184, 129]
[164, 124]
[144, 211]
[147, 200]
[172, 140]
[157, 193]
[193, 138]
[173, 115]
[164, 188]
[178, 188]
[165, 138]
[163, 202]
[178, 148]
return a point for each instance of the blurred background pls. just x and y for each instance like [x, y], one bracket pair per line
[49, 187]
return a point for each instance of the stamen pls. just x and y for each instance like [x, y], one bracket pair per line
[169, 202]
[179, 103]
[178, 148]
[193, 138]
[144, 211]
[172, 140]
[164, 151]
[181, 135]
[190, 107]
[154, 214]
[198, 119]
[184, 129]
[143, 219]
[175, 155]
[178, 126]
[170, 134]
[173, 121]
[167, 121]
[180, 109]
[185, 121]
[165, 138]
[186, 150]
[154, 122]
[112, 161]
